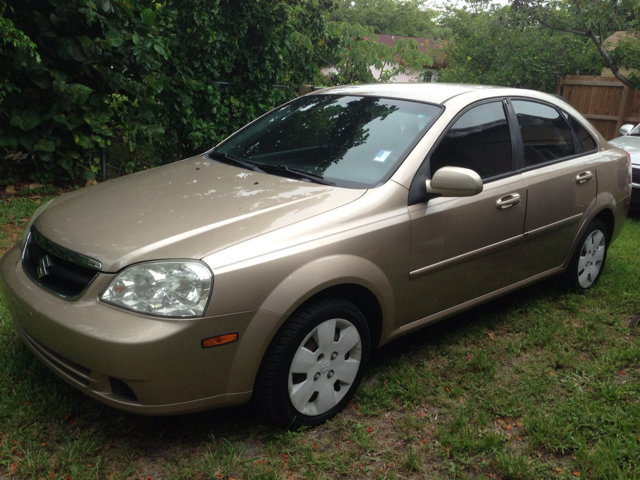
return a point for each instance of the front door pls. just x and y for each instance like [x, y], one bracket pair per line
[463, 248]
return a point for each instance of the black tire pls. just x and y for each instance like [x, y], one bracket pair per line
[588, 259]
[311, 369]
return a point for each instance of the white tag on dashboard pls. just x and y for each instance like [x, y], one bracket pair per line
[382, 156]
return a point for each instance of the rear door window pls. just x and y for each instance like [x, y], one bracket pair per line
[545, 133]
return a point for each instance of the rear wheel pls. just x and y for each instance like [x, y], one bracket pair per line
[588, 260]
[314, 364]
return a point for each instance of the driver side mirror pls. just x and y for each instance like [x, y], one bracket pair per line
[625, 129]
[454, 182]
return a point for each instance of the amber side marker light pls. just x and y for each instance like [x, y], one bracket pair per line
[219, 340]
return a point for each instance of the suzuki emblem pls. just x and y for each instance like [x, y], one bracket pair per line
[43, 266]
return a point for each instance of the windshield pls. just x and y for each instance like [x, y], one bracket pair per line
[636, 131]
[349, 141]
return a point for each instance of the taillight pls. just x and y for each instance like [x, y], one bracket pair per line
[629, 168]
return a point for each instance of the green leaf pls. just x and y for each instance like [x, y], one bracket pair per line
[26, 119]
[44, 82]
[127, 9]
[155, 130]
[75, 52]
[27, 141]
[44, 146]
[82, 141]
[9, 141]
[148, 16]
[114, 38]
[79, 93]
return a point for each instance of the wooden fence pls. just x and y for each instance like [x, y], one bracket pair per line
[606, 102]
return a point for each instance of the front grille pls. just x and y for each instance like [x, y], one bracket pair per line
[57, 269]
[635, 176]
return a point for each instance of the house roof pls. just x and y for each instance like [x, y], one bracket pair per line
[612, 41]
[431, 46]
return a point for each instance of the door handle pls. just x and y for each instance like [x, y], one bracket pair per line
[583, 177]
[508, 201]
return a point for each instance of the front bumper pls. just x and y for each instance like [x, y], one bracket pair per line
[635, 197]
[134, 362]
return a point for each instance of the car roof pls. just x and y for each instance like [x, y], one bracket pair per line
[457, 95]
[437, 93]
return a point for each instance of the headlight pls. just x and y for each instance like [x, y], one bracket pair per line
[35, 215]
[175, 288]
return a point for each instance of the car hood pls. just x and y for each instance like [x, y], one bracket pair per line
[631, 145]
[189, 209]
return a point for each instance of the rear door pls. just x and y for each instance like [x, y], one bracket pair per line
[561, 182]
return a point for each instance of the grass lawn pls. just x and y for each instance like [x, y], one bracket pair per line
[539, 384]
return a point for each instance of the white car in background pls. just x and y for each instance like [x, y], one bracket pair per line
[630, 141]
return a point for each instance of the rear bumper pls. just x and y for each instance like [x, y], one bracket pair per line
[134, 362]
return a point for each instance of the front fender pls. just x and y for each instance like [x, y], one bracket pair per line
[291, 293]
[323, 273]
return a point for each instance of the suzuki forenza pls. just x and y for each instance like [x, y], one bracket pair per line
[271, 265]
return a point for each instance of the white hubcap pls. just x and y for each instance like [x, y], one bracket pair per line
[324, 367]
[591, 257]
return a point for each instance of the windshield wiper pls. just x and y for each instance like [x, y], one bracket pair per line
[294, 172]
[213, 155]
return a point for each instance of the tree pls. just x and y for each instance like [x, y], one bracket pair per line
[595, 20]
[500, 46]
[390, 17]
[353, 50]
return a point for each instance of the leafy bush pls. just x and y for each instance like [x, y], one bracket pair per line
[80, 76]
[94, 69]
[227, 56]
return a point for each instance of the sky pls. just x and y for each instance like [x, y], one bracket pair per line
[434, 3]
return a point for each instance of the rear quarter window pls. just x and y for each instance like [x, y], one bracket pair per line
[586, 140]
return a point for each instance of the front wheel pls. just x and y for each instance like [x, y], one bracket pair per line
[314, 364]
[588, 260]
